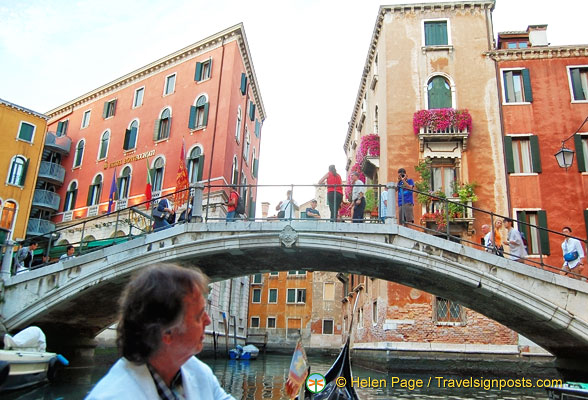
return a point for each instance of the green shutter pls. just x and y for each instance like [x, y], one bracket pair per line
[210, 69]
[577, 84]
[523, 225]
[200, 167]
[543, 234]
[127, 139]
[198, 73]
[65, 125]
[251, 209]
[23, 176]
[436, 33]
[114, 107]
[205, 118]
[26, 132]
[255, 164]
[509, 156]
[59, 128]
[257, 126]
[156, 129]
[586, 220]
[243, 83]
[535, 154]
[291, 296]
[133, 139]
[89, 199]
[105, 111]
[527, 85]
[192, 120]
[580, 153]
[252, 112]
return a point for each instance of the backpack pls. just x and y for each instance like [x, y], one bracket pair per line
[240, 209]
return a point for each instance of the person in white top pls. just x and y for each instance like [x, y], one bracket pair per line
[514, 240]
[487, 239]
[286, 207]
[569, 246]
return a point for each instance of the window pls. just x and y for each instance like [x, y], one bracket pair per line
[94, 191]
[79, 153]
[376, 120]
[329, 291]
[579, 83]
[252, 111]
[26, 132]
[274, 274]
[375, 312]
[138, 99]
[257, 128]
[448, 311]
[162, 126]
[131, 136]
[235, 172]
[238, 127]
[124, 183]
[243, 83]
[255, 164]
[530, 224]
[109, 109]
[436, 33]
[516, 45]
[256, 296]
[62, 128]
[327, 326]
[195, 164]
[86, 118]
[438, 93]
[581, 144]
[18, 171]
[158, 170]
[203, 70]
[443, 175]
[273, 296]
[257, 279]
[360, 318]
[246, 145]
[522, 154]
[301, 272]
[70, 197]
[170, 84]
[104, 141]
[516, 86]
[296, 296]
[254, 322]
[199, 114]
[271, 322]
[8, 213]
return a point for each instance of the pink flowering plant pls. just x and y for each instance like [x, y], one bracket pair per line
[441, 119]
[369, 145]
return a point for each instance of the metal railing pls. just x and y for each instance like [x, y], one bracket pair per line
[46, 199]
[51, 172]
[61, 144]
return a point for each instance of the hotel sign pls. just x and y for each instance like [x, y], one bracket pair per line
[129, 159]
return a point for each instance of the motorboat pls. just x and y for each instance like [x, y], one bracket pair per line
[568, 391]
[249, 352]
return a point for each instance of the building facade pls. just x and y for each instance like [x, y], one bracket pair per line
[20, 160]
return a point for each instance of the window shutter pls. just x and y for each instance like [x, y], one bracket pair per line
[509, 156]
[210, 69]
[257, 126]
[200, 167]
[527, 86]
[543, 234]
[89, 199]
[127, 139]
[105, 111]
[535, 155]
[252, 212]
[586, 220]
[133, 140]
[205, 117]
[255, 164]
[508, 87]
[114, 107]
[74, 196]
[23, 175]
[59, 128]
[243, 83]
[577, 84]
[523, 226]
[192, 120]
[156, 129]
[580, 153]
[198, 73]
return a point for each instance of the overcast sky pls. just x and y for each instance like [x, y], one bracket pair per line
[308, 57]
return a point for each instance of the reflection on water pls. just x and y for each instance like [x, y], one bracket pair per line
[265, 378]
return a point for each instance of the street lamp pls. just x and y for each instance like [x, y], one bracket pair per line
[565, 156]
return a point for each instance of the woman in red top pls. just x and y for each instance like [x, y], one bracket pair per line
[334, 191]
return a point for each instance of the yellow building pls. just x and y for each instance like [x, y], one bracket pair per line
[23, 135]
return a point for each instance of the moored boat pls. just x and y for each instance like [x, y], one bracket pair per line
[568, 391]
[27, 368]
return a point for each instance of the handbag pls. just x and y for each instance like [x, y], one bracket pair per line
[281, 214]
[499, 250]
[571, 256]
[157, 213]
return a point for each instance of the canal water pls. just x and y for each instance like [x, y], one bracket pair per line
[264, 378]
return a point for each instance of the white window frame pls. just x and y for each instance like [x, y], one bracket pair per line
[258, 321]
[202, 77]
[92, 183]
[569, 69]
[325, 291]
[268, 296]
[100, 146]
[113, 110]
[74, 166]
[523, 136]
[275, 322]
[452, 88]
[423, 38]
[238, 124]
[165, 84]
[137, 137]
[530, 238]
[86, 121]
[32, 136]
[135, 97]
[253, 296]
[12, 160]
[296, 290]
[503, 85]
[162, 156]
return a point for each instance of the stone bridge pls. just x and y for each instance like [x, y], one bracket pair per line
[78, 298]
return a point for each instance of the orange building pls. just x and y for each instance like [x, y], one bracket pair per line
[544, 99]
[204, 96]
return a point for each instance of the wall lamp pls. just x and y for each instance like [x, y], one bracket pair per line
[565, 156]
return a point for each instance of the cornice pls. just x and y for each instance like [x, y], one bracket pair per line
[537, 53]
[23, 109]
[440, 6]
[217, 40]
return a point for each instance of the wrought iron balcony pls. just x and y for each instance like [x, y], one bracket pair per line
[442, 125]
[58, 144]
[38, 226]
[51, 172]
[46, 200]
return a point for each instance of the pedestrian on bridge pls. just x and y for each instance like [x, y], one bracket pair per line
[514, 241]
[285, 208]
[405, 197]
[334, 191]
[573, 252]
[160, 330]
[357, 197]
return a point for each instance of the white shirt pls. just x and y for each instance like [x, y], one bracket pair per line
[357, 189]
[569, 245]
[383, 201]
[516, 245]
[287, 208]
[488, 242]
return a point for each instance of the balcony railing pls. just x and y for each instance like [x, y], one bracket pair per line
[58, 144]
[46, 199]
[442, 125]
[38, 227]
[51, 172]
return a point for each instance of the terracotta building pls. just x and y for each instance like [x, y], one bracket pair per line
[544, 99]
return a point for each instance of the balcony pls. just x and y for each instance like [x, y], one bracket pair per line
[51, 172]
[37, 227]
[445, 128]
[58, 144]
[46, 200]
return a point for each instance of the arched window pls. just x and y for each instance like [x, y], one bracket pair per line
[70, 197]
[18, 171]
[195, 164]
[79, 153]
[163, 125]
[376, 128]
[131, 136]
[124, 183]
[158, 169]
[439, 93]
[104, 141]
[246, 145]
[8, 213]
[238, 127]
[94, 191]
[201, 112]
[235, 172]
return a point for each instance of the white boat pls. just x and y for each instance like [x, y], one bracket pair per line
[568, 391]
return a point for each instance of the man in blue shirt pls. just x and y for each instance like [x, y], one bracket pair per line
[405, 197]
[312, 212]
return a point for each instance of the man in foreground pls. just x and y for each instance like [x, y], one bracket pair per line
[161, 328]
